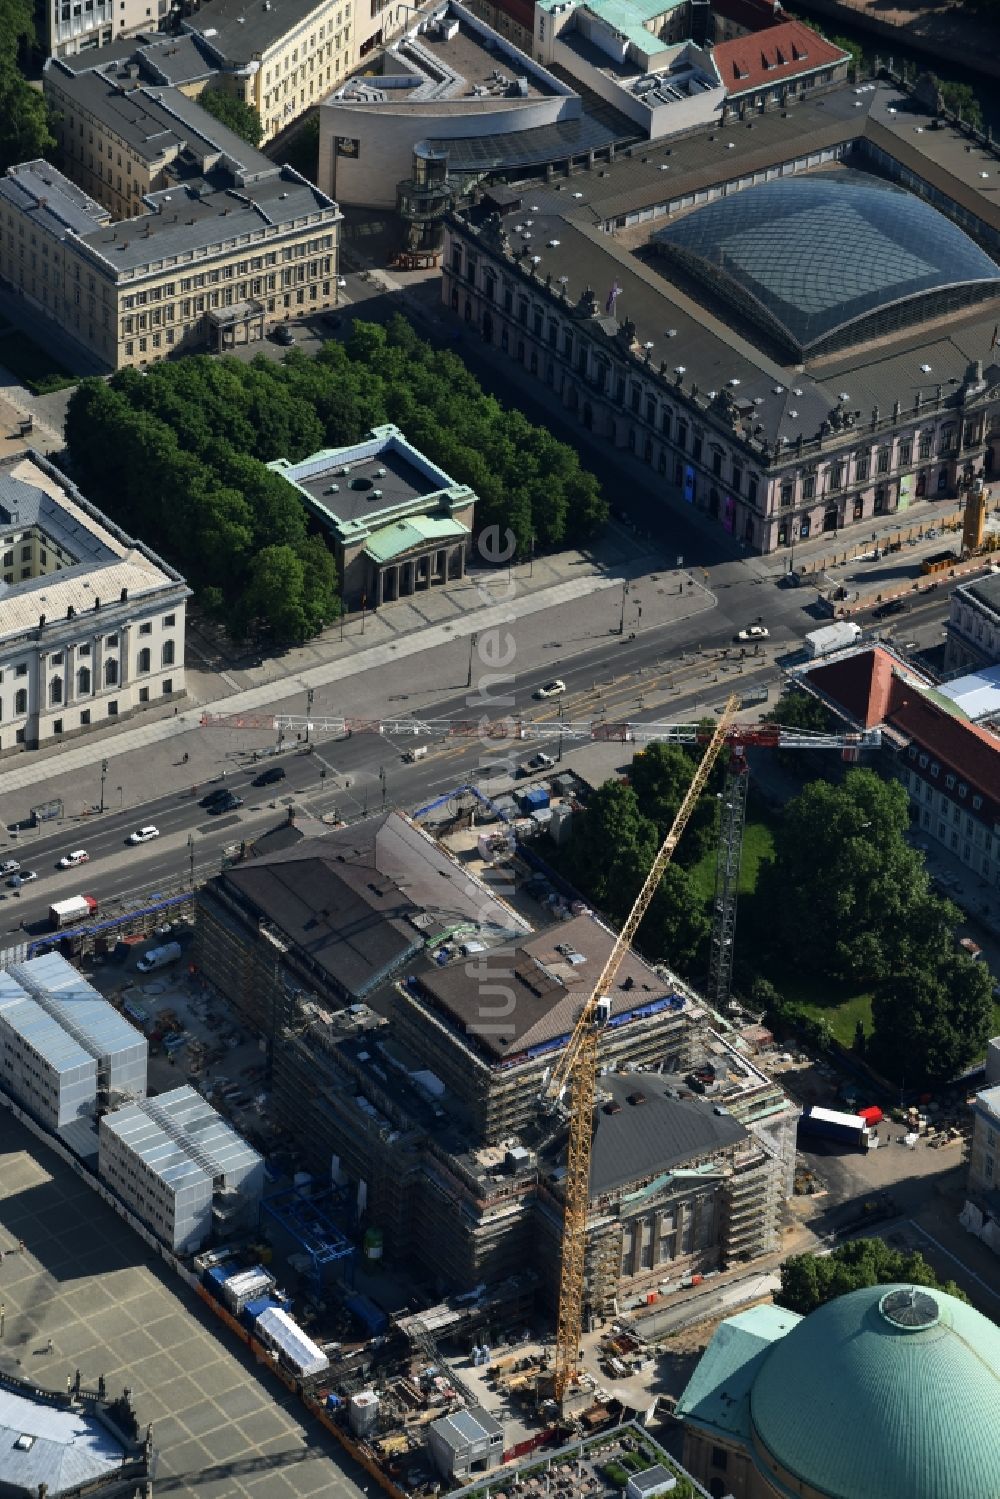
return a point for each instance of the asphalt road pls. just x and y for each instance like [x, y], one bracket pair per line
[612, 680]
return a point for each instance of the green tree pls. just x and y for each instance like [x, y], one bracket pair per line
[961, 99]
[274, 595]
[930, 1023]
[809, 1280]
[796, 709]
[844, 881]
[242, 119]
[676, 927]
[25, 131]
[660, 776]
[612, 848]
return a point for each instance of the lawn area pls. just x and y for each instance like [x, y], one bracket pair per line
[758, 844]
[32, 365]
[840, 1004]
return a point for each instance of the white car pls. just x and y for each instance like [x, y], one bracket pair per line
[24, 877]
[78, 856]
[144, 835]
[552, 689]
[753, 632]
[9, 866]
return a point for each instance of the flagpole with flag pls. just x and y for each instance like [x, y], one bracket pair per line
[613, 296]
[996, 336]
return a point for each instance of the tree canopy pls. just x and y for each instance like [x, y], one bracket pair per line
[24, 115]
[809, 1280]
[616, 839]
[846, 898]
[843, 879]
[177, 453]
[931, 1022]
[243, 119]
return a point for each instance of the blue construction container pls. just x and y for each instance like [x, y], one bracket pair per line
[534, 799]
[333, 1402]
[216, 1276]
[371, 1317]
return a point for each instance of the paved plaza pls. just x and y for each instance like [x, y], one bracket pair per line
[223, 1428]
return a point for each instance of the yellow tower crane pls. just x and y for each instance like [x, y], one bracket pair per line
[575, 1075]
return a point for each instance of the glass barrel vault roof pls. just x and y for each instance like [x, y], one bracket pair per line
[812, 255]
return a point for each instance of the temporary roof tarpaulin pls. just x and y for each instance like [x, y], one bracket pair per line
[287, 1336]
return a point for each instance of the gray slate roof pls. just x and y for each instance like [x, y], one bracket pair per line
[51, 201]
[661, 1134]
[687, 328]
[185, 219]
[348, 900]
[986, 591]
[240, 29]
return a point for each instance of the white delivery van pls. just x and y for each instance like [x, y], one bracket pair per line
[159, 957]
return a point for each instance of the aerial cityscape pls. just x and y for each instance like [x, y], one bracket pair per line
[499, 749]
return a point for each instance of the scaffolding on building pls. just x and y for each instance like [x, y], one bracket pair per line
[732, 817]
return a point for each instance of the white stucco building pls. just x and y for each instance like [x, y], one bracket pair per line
[454, 81]
[91, 621]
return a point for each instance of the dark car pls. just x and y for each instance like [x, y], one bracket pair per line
[218, 795]
[283, 334]
[227, 804]
[269, 776]
[894, 606]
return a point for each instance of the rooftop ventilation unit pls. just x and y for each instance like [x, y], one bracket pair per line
[380, 473]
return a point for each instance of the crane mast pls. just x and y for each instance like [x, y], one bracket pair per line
[576, 1073]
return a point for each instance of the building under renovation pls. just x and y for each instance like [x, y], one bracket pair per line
[434, 1115]
[337, 919]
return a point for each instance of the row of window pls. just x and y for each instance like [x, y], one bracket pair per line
[59, 724]
[592, 364]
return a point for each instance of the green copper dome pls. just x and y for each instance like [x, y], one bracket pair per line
[891, 1392]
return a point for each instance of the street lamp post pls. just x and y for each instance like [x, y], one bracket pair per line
[473, 640]
[104, 776]
[385, 788]
[531, 557]
[621, 623]
[309, 711]
[121, 797]
[191, 857]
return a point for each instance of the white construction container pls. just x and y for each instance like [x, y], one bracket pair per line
[362, 1413]
[831, 638]
[246, 1285]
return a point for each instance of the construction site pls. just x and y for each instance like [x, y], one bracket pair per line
[486, 1115]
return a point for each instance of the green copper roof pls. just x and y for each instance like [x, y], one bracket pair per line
[717, 1392]
[891, 1392]
[417, 530]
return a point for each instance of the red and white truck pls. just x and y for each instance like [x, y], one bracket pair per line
[75, 908]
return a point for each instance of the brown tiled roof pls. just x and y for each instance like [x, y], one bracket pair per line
[871, 687]
[770, 57]
[860, 683]
[972, 753]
